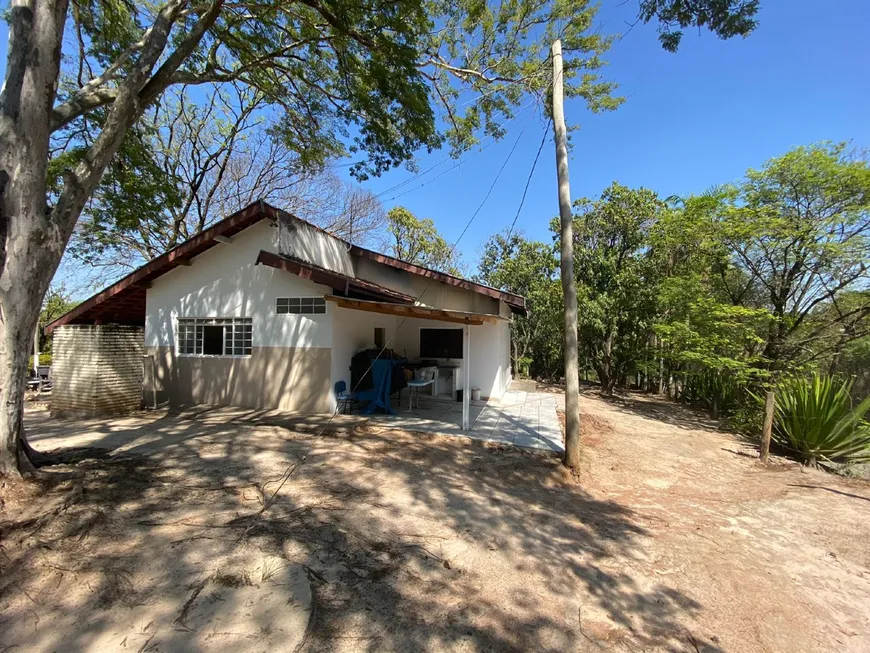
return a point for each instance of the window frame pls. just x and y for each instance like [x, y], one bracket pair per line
[190, 331]
[318, 301]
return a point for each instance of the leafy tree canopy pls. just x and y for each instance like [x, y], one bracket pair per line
[417, 240]
[798, 232]
[725, 18]
[615, 296]
[528, 268]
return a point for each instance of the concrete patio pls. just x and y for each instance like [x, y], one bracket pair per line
[524, 419]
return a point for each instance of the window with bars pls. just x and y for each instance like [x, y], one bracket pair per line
[215, 336]
[301, 305]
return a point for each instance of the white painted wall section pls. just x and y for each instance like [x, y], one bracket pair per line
[225, 282]
[308, 243]
[352, 332]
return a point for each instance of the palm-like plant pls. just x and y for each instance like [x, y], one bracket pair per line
[816, 421]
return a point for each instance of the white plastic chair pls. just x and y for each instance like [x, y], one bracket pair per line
[423, 377]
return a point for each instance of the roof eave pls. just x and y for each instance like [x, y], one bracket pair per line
[178, 256]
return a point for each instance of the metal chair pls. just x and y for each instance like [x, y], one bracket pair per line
[344, 398]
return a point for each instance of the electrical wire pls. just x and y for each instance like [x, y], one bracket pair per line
[522, 112]
[529, 179]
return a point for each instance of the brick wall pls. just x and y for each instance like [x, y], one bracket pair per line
[96, 369]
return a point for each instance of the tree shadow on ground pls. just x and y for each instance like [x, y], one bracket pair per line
[829, 489]
[411, 542]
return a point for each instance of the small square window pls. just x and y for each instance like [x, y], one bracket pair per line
[300, 305]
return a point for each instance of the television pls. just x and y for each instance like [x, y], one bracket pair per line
[440, 343]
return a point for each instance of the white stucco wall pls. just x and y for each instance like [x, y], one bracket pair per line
[225, 282]
[427, 291]
[353, 331]
[308, 243]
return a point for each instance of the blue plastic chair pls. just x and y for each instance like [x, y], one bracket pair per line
[344, 398]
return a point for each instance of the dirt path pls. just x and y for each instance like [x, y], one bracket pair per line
[674, 540]
[772, 559]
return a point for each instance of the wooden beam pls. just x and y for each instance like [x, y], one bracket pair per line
[406, 311]
[184, 261]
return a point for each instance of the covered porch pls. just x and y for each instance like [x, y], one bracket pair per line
[475, 359]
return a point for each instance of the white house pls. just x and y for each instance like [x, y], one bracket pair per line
[265, 310]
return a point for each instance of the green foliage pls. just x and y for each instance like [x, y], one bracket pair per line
[853, 361]
[57, 302]
[499, 52]
[797, 237]
[708, 341]
[528, 268]
[615, 296]
[725, 18]
[374, 81]
[44, 359]
[367, 78]
[712, 296]
[815, 420]
[135, 195]
[417, 240]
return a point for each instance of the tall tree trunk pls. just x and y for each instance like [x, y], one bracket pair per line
[661, 371]
[33, 235]
[31, 244]
[606, 372]
[605, 376]
[19, 313]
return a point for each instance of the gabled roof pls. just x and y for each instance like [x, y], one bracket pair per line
[124, 301]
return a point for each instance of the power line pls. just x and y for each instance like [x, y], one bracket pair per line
[486, 197]
[491, 140]
[529, 180]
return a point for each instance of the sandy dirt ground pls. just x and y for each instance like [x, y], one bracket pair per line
[673, 539]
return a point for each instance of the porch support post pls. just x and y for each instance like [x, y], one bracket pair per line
[466, 384]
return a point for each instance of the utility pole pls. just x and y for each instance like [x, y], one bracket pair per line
[569, 285]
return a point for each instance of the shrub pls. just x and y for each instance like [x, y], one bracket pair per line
[815, 420]
[44, 359]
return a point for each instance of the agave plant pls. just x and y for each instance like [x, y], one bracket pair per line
[816, 421]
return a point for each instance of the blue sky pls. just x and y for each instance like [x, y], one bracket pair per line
[692, 119]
